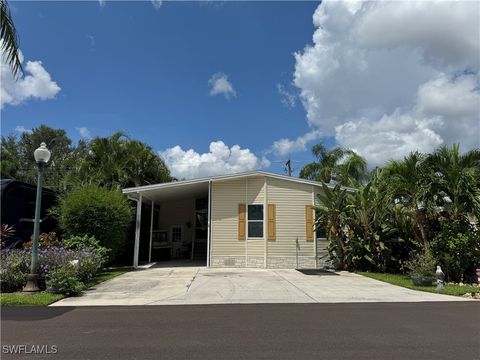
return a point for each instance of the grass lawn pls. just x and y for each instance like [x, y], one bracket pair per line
[45, 298]
[42, 298]
[406, 281]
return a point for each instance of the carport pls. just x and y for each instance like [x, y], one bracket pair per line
[180, 220]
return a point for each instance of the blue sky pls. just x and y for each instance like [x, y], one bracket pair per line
[127, 66]
[195, 79]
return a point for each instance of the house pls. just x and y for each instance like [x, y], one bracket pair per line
[253, 219]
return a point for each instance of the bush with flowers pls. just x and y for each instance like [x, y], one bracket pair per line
[54, 262]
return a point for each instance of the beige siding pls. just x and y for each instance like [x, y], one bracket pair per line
[256, 247]
[255, 190]
[290, 199]
[226, 195]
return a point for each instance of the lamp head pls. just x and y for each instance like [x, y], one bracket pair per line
[42, 154]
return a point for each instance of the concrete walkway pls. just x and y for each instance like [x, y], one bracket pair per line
[199, 285]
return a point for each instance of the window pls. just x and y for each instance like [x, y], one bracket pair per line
[176, 234]
[255, 221]
[321, 233]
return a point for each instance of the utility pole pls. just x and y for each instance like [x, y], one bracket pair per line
[288, 164]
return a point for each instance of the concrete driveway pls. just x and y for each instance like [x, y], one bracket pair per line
[200, 285]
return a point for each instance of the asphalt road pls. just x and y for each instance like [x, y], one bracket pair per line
[261, 331]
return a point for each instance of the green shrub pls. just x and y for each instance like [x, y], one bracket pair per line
[87, 242]
[63, 280]
[422, 264]
[87, 269]
[15, 265]
[104, 214]
[457, 248]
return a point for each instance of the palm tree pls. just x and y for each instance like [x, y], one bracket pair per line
[352, 169]
[332, 214]
[9, 39]
[343, 165]
[409, 183]
[117, 162]
[458, 179]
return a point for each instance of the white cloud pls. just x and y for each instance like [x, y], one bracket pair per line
[22, 129]
[35, 83]
[102, 3]
[289, 99]
[389, 77]
[157, 4]
[219, 160]
[219, 85]
[390, 137]
[84, 132]
[285, 146]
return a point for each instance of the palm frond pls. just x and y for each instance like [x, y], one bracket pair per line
[9, 39]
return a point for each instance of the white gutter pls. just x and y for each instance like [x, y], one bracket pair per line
[227, 177]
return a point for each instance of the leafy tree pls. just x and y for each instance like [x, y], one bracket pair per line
[10, 154]
[9, 39]
[18, 162]
[342, 165]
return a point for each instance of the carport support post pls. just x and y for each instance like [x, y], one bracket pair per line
[137, 231]
[151, 234]
[209, 220]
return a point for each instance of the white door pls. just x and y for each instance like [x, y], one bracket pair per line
[176, 237]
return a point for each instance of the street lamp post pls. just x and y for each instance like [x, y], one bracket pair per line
[42, 155]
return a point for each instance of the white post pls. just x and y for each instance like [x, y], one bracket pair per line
[209, 226]
[315, 250]
[265, 215]
[137, 231]
[151, 234]
[194, 228]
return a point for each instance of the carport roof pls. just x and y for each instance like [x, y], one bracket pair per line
[194, 187]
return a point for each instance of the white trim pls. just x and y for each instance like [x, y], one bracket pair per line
[181, 229]
[177, 244]
[138, 222]
[151, 233]
[227, 177]
[262, 221]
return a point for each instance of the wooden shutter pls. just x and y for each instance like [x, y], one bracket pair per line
[309, 222]
[271, 222]
[242, 219]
